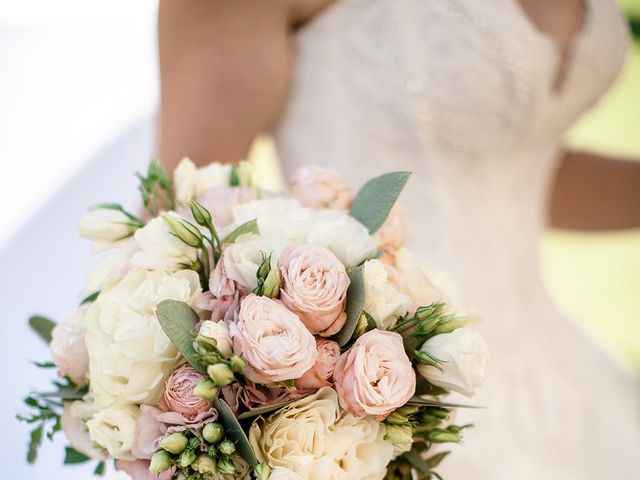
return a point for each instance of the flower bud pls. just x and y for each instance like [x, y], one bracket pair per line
[207, 344]
[213, 432]
[160, 462]
[201, 215]
[399, 435]
[221, 374]
[396, 418]
[264, 268]
[185, 231]
[439, 435]
[107, 224]
[227, 447]
[206, 389]
[237, 364]
[174, 442]
[262, 471]
[204, 464]
[272, 283]
[186, 458]
[226, 467]
[212, 451]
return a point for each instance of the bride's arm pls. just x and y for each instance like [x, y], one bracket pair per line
[224, 68]
[592, 192]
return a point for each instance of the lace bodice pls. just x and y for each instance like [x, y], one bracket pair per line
[461, 93]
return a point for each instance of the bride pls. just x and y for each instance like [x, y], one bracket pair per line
[473, 97]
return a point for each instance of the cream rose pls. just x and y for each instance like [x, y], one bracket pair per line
[317, 187]
[105, 227]
[242, 258]
[382, 300]
[281, 473]
[316, 440]
[68, 347]
[314, 287]
[158, 249]
[130, 356]
[272, 340]
[218, 331]
[347, 238]
[375, 376]
[110, 269]
[464, 355]
[321, 374]
[393, 232]
[74, 425]
[114, 430]
[190, 181]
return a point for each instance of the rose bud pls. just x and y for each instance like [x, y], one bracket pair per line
[204, 464]
[221, 374]
[321, 373]
[227, 447]
[226, 467]
[206, 390]
[160, 462]
[174, 443]
[213, 432]
[180, 392]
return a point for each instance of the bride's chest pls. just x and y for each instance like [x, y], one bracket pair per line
[456, 67]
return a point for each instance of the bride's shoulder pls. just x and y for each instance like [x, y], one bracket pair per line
[302, 11]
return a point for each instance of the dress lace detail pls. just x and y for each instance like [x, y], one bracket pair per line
[460, 92]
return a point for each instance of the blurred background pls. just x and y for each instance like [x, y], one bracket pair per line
[78, 83]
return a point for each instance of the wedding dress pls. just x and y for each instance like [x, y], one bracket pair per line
[463, 94]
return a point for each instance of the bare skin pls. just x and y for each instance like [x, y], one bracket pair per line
[225, 69]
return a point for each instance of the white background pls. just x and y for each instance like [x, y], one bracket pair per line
[78, 90]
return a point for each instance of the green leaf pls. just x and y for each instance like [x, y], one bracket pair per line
[255, 412]
[417, 462]
[354, 307]
[65, 393]
[100, 467]
[376, 198]
[35, 440]
[44, 364]
[178, 320]
[42, 326]
[90, 298]
[72, 456]
[435, 460]
[436, 403]
[248, 227]
[234, 431]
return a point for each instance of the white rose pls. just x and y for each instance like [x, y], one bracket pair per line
[105, 227]
[190, 181]
[464, 356]
[130, 356]
[242, 258]
[382, 300]
[218, 331]
[68, 347]
[158, 249]
[281, 473]
[426, 286]
[110, 269]
[343, 235]
[114, 428]
[74, 425]
[316, 440]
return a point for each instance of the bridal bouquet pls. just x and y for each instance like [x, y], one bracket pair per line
[232, 333]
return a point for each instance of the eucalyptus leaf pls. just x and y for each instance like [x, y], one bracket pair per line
[254, 412]
[65, 393]
[90, 298]
[436, 459]
[234, 431]
[42, 326]
[100, 468]
[354, 307]
[376, 198]
[178, 320]
[248, 227]
[72, 456]
[35, 440]
[415, 400]
[417, 462]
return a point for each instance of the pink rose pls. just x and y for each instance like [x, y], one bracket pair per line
[314, 287]
[225, 292]
[375, 376]
[272, 340]
[393, 232]
[68, 347]
[147, 433]
[321, 373]
[249, 395]
[317, 187]
[139, 470]
[178, 393]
